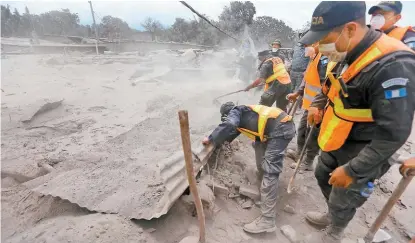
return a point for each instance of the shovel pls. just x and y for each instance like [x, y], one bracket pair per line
[216, 101]
[396, 194]
[300, 159]
[293, 107]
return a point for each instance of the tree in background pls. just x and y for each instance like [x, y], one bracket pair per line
[196, 31]
[153, 26]
[113, 27]
[6, 28]
[265, 29]
[234, 18]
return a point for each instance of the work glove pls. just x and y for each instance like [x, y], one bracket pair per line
[340, 178]
[408, 168]
[292, 97]
[315, 116]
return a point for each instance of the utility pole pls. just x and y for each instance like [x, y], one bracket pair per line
[95, 25]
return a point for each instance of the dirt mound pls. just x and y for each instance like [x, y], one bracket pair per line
[26, 208]
[97, 228]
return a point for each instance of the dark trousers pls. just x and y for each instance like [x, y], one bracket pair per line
[277, 92]
[269, 157]
[312, 148]
[296, 79]
[342, 203]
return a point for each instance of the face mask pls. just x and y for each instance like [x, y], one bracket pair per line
[274, 49]
[377, 21]
[329, 50]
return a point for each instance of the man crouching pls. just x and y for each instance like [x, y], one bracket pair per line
[271, 129]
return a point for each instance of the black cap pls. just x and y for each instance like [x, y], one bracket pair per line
[263, 53]
[388, 6]
[225, 109]
[331, 14]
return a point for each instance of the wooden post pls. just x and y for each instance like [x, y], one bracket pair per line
[188, 157]
[95, 25]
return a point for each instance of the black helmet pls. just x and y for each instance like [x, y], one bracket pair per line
[225, 109]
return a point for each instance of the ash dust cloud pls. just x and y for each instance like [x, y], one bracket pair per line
[90, 137]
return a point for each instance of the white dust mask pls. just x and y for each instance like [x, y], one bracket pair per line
[329, 50]
[274, 49]
[377, 21]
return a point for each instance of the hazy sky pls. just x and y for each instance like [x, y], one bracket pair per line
[294, 13]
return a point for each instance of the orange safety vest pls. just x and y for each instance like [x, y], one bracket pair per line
[264, 113]
[280, 73]
[399, 32]
[312, 80]
[338, 121]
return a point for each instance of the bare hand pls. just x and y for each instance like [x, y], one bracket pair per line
[292, 97]
[247, 88]
[315, 116]
[206, 141]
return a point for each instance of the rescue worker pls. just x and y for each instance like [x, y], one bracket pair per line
[313, 79]
[298, 65]
[274, 76]
[385, 15]
[368, 105]
[275, 50]
[271, 129]
[247, 62]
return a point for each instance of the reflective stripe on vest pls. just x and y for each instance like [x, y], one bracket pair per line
[399, 32]
[338, 121]
[264, 113]
[279, 72]
[312, 82]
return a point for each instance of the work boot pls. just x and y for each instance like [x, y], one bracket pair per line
[293, 154]
[336, 233]
[319, 219]
[261, 224]
[322, 237]
[306, 165]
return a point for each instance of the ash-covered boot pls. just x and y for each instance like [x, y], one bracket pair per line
[334, 234]
[307, 164]
[293, 154]
[319, 219]
[260, 225]
[330, 235]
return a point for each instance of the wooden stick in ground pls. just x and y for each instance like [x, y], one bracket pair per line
[396, 194]
[187, 150]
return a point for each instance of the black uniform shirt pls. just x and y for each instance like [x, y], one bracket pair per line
[387, 88]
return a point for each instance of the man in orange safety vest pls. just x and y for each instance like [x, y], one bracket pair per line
[385, 15]
[368, 102]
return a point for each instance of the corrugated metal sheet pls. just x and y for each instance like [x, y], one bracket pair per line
[117, 186]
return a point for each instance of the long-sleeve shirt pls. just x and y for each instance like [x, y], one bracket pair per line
[300, 61]
[240, 116]
[392, 114]
[322, 67]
